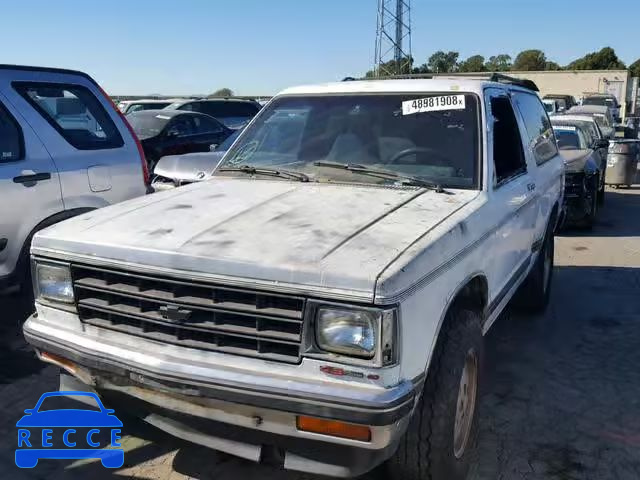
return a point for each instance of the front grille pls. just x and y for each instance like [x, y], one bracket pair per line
[195, 315]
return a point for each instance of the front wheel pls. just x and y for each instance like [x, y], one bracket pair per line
[441, 439]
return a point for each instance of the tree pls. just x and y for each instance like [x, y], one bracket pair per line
[441, 62]
[529, 60]
[403, 67]
[499, 63]
[552, 66]
[605, 59]
[223, 92]
[634, 68]
[474, 63]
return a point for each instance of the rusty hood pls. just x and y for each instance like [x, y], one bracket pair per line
[331, 237]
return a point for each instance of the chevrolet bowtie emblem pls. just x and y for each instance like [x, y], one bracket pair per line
[175, 313]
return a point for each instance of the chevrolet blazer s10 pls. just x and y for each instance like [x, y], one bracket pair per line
[321, 301]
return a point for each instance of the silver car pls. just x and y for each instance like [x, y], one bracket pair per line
[176, 170]
[64, 150]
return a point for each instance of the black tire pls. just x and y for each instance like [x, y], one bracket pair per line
[427, 449]
[590, 218]
[601, 196]
[533, 294]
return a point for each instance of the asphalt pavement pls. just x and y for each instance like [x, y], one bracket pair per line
[561, 397]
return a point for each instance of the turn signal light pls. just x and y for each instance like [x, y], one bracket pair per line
[58, 360]
[361, 433]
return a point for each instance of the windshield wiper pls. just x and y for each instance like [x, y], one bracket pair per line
[252, 170]
[376, 172]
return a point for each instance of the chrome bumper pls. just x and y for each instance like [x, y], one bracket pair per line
[259, 403]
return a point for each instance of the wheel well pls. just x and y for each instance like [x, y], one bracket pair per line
[23, 259]
[473, 295]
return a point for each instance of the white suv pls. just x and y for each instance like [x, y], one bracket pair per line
[64, 150]
[325, 294]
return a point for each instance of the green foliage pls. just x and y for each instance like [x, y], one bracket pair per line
[390, 68]
[605, 59]
[529, 60]
[223, 92]
[441, 62]
[474, 63]
[499, 63]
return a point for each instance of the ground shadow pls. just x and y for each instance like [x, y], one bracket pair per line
[17, 359]
[618, 217]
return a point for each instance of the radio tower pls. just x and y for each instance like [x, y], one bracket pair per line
[393, 38]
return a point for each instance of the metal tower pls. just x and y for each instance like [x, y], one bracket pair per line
[393, 38]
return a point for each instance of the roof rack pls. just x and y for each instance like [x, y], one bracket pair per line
[489, 76]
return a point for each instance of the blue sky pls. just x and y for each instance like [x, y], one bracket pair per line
[261, 46]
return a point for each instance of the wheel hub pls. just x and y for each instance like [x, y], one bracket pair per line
[466, 404]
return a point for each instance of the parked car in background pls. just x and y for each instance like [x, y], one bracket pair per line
[176, 170]
[174, 132]
[233, 112]
[130, 106]
[595, 140]
[565, 101]
[325, 294]
[602, 115]
[582, 175]
[552, 106]
[605, 100]
[64, 150]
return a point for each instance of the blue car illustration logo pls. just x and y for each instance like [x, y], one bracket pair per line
[76, 428]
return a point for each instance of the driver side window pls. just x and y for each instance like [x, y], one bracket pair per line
[508, 155]
[180, 126]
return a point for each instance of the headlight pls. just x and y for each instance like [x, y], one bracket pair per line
[350, 332]
[53, 282]
[368, 334]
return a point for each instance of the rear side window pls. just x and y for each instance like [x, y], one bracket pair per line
[74, 112]
[11, 142]
[538, 126]
[206, 125]
[229, 109]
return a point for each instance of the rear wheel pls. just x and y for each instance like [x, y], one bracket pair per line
[441, 439]
[534, 292]
[601, 196]
[590, 218]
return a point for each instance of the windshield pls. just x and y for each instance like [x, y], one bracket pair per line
[602, 101]
[569, 138]
[432, 137]
[229, 141]
[67, 402]
[135, 107]
[601, 120]
[146, 126]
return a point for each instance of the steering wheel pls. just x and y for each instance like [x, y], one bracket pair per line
[441, 160]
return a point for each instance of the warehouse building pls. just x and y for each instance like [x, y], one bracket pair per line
[581, 83]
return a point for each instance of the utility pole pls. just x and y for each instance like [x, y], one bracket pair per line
[393, 38]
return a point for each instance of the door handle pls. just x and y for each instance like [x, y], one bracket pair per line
[33, 178]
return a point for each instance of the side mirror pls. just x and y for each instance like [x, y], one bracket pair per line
[601, 143]
[172, 134]
[29, 411]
